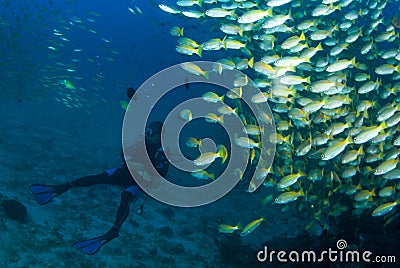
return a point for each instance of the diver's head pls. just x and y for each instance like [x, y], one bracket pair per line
[130, 92]
[153, 133]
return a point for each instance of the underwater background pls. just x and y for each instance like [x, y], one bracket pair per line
[64, 70]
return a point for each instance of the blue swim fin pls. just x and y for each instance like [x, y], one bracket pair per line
[39, 188]
[45, 193]
[44, 198]
[91, 246]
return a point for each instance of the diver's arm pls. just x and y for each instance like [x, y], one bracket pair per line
[161, 162]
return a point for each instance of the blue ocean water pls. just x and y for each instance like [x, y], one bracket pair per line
[51, 134]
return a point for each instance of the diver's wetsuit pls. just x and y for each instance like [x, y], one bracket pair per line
[122, 177]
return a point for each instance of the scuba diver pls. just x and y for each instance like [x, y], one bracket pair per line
[116, 176]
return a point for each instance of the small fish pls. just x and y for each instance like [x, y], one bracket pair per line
[203, 175]
[384, 208]
[231, 29]
[288, 197]
[386, 166]
[228, 229]
[262, 172]
[276, 21]
[293, 41]
[235, 93]
[277, 3]
[188, 50]
[188, 41]
[227, 110]
[264, 68]
[219, 12]
[279, 139]
[290, 179]
[186, 115]
[169, 9]
[363, 195]
[261, 97]
[138, 10]
[369, 133]
[386, 69]
[290, 61]
[249, 228]
[241, 81]
[352, 155]
[209, 157]
[252, 155]
[384, 36]
[213, 44]
[352, 189]
[68, 84]
[189, 3]
[392, 175]
[195, 14]
[369, 86]
[252, 130]
[246, 142]
[213, 118]
[391, 219]
[176, 31]
[315, 175]
[212, 97]
[124, 104]
[336, 148]
[235, 44]
[294, 80]
[194, 69]
[132, 10]
[340, 65]
[387, 191]
[193, 142]
[321, 86]
[254, 15]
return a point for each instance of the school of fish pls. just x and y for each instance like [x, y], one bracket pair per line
[43, 45]
[329, 69]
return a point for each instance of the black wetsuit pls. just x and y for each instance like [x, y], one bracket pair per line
[122, 177]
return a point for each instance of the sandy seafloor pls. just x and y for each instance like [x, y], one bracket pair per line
[46, 142]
